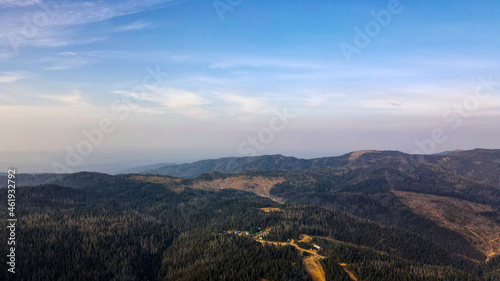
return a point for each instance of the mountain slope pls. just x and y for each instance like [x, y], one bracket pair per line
[143, 169]
[459, 197]
[142, 228]
[234, 165]
[231, 165]
[480, 164]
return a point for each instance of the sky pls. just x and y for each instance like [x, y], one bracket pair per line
[124, 83]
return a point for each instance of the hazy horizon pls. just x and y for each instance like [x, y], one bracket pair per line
[127, 83]
[40, 162]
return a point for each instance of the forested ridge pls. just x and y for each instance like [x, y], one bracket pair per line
[382, 215]
[119, 228]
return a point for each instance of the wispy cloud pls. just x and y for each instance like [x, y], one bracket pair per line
[9, 77]
[72, 99]
[71, 60]
[138, 25]
[63, 24]
[171, 100]
[5, 54]
[18, 3]
[186, 102]
[244, 104]
[65, 60]
[450, 61]
[321, 100]
[257, 62]
[200, 105]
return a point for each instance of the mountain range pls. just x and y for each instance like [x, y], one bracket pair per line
[449, 202]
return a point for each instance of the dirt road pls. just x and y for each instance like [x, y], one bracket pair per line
[344, 266]
[314, 267]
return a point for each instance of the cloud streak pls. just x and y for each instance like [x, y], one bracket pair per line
[50, 24]
[259, 62]
[70, 100]
[138, 25]
[12, 76]
[199, 105]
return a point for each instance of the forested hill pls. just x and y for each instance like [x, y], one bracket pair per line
[131, 227]
[232, 165]
[481, 164]
[378, 215]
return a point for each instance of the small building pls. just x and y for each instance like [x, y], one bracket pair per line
[301, 237]
[237, 232]
[317, 247]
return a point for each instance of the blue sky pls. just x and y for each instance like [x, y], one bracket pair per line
[226, 76]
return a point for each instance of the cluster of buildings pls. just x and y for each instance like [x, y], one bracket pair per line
[261, 233]
[247, 233]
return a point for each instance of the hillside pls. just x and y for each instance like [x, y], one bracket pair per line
[385, 214]
[142, 169]
[479, 164]
[130, 227]
[232, 165]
